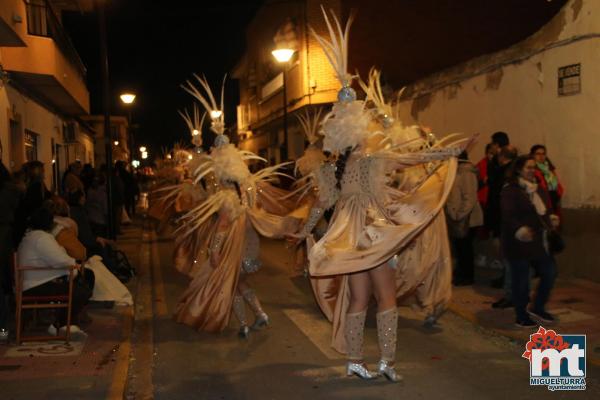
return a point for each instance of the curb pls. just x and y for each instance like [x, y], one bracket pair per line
[116, 391]
[469, 316]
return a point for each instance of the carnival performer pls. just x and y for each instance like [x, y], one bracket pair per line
[229, 219]
[373, 221]
[305, 196]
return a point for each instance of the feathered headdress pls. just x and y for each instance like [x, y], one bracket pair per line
[346, 125]
[313, 156]
[194, 124]
[214, 110]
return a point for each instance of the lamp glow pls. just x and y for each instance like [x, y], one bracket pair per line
[190, 157]
[283, 55]
[127, 98]
[135, 163]
[142, 149]
[216, 114]
[116, 142]
[144, 155]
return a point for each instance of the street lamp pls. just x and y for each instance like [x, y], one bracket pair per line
[142, 149]
[283, 56]
[127, 99]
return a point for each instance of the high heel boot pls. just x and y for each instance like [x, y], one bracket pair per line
[387, 331]
[239, 309]
[262, 319]
[354, 333]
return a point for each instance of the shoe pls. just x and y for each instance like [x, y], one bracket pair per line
[261, 321]
[387, 370]
[503, 303]
[542, 316]
[358, 369]
[244, 332]
[526, 323]
[430, 322]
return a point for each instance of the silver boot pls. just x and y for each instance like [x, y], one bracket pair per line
[387, 332]
[239, 309]
[354, 334]
[262, 319]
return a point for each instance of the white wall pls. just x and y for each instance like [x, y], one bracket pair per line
[37, 119]
[521, 99]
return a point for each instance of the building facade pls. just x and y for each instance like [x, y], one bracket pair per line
[542, 90]
[119, 138]
[42, 89]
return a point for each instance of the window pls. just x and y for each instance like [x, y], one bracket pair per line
[30, 146]
[37, 20]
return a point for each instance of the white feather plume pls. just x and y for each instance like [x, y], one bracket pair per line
[336, 48]
[208, 101]
[310, 124]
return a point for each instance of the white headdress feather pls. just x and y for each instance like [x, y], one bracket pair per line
[336, 48]
[208, 101]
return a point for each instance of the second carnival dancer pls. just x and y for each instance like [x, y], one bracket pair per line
[227, 223]
[375, 228]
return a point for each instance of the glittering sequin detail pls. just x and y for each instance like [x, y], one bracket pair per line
[354, 334]
[250, 265]
[217, 242]
[239, 309]
[253, 301]
[387, 331]
[314, 217]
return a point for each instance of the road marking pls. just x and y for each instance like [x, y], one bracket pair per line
[316, 328]
[120, 372]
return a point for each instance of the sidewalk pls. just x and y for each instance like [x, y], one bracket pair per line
[575, 303]
[91, 367]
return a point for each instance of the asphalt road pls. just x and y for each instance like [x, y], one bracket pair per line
[291, 359]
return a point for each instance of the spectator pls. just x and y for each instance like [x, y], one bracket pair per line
[545, 174]
[35, 195]
[118, 199]
[131, 190]
[65, 229]
[87, 176]
[94, 244]
[9, 200]
[40, 249]
[96, 206]
[496, 177]
[525, 216]
[463, 213]
[71, 180]
[491, 149]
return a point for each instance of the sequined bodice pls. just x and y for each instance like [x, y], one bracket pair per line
[356, 177]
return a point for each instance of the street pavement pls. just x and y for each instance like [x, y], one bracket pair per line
[292, 359]
[141, 353]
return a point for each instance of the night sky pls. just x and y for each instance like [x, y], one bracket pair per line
[154, 46]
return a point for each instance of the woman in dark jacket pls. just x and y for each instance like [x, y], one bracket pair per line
[523, 237]
[9, 200]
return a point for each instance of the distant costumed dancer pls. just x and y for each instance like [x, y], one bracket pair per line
[222, 229]
[387, 185]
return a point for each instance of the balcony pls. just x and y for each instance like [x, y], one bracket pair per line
[49, 66]
[10, 22]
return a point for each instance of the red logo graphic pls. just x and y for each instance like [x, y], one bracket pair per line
[545, 339]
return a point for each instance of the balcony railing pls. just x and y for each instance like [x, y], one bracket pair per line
[42, 21]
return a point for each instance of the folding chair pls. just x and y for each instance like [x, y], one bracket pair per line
[25, 302]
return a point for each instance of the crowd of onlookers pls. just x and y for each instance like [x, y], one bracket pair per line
[60, 229]
[512, 200]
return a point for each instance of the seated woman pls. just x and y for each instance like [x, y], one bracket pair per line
[40, 249]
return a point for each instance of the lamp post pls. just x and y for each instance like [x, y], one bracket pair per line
[127, 99]
[99, 6]
[283, 56]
